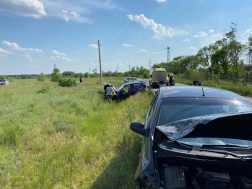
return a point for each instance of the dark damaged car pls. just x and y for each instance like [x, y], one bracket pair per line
[194, 138]
[127, 89]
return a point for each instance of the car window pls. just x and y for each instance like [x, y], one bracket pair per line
[174, 109]
[151, 111]
[127, 88]
[137, 86]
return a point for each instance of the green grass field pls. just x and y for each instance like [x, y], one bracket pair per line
[55, 137]
[237, 88]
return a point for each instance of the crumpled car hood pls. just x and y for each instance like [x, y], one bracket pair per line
[235, 125]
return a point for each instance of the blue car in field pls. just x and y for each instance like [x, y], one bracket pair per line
[127, 89]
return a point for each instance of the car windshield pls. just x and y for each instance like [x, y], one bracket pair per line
[120, 88]
[174, 109]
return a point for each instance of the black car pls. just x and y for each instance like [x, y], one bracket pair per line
[196, 138]
[197, 83]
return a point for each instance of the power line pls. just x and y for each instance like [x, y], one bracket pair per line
[99, 49]
[168, 58]
[150, 63]
[46, 67]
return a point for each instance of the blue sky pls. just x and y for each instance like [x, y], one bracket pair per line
[36, 34]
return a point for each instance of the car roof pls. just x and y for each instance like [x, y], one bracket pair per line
[133, 82]
[196, 91]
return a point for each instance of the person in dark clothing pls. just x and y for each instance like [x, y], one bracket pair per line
[171, 80]
[80, 80]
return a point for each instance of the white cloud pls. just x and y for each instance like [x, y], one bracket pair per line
[187, 26]
[28, 57]
[211, 39]
[58, 53]
[93, 46]
[127, 45]
[186, 40]
[76, 60]
[76, 10]
[60, 57]
[2, 51]
[16, 47]
[201, 34]
[142, 51]
[192, 48]
[71, 15]
[160, 1]
[211, 31]
[248, 32]
[154, 52]
[159, 30]
[28, 8]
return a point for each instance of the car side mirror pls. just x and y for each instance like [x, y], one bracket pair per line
[138, 127]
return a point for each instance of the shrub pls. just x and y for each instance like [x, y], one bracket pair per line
[2, 77]
[68, 83]
[56, 76]
[11, 79]
[146, 75]
[44, 89]
[42, 77]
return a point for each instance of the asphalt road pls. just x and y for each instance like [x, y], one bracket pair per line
[178, 84]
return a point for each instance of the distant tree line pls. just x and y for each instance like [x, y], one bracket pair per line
[223, 57]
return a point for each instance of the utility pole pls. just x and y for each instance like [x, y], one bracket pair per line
[150, 63]
[168, 58]
[249, 53]
[116, 71]
[99, 48]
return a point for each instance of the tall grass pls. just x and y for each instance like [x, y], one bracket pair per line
[54, 137]
[237, 88]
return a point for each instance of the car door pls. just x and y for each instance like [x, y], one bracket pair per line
[136, 88]
[146, 160]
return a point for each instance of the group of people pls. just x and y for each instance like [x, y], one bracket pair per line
[109, 91]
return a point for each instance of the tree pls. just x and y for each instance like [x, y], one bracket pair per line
[86, 75]
[42, 77]
[56, 76]
[235, 50]
[219, 60]
[204, 54]
[68, 73]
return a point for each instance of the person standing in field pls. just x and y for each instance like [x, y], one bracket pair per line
[80, 79]
[110, 92]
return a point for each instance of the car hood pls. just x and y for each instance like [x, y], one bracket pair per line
[235, 126]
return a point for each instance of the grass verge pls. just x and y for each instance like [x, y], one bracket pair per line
[54, 137]
[242, 90]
